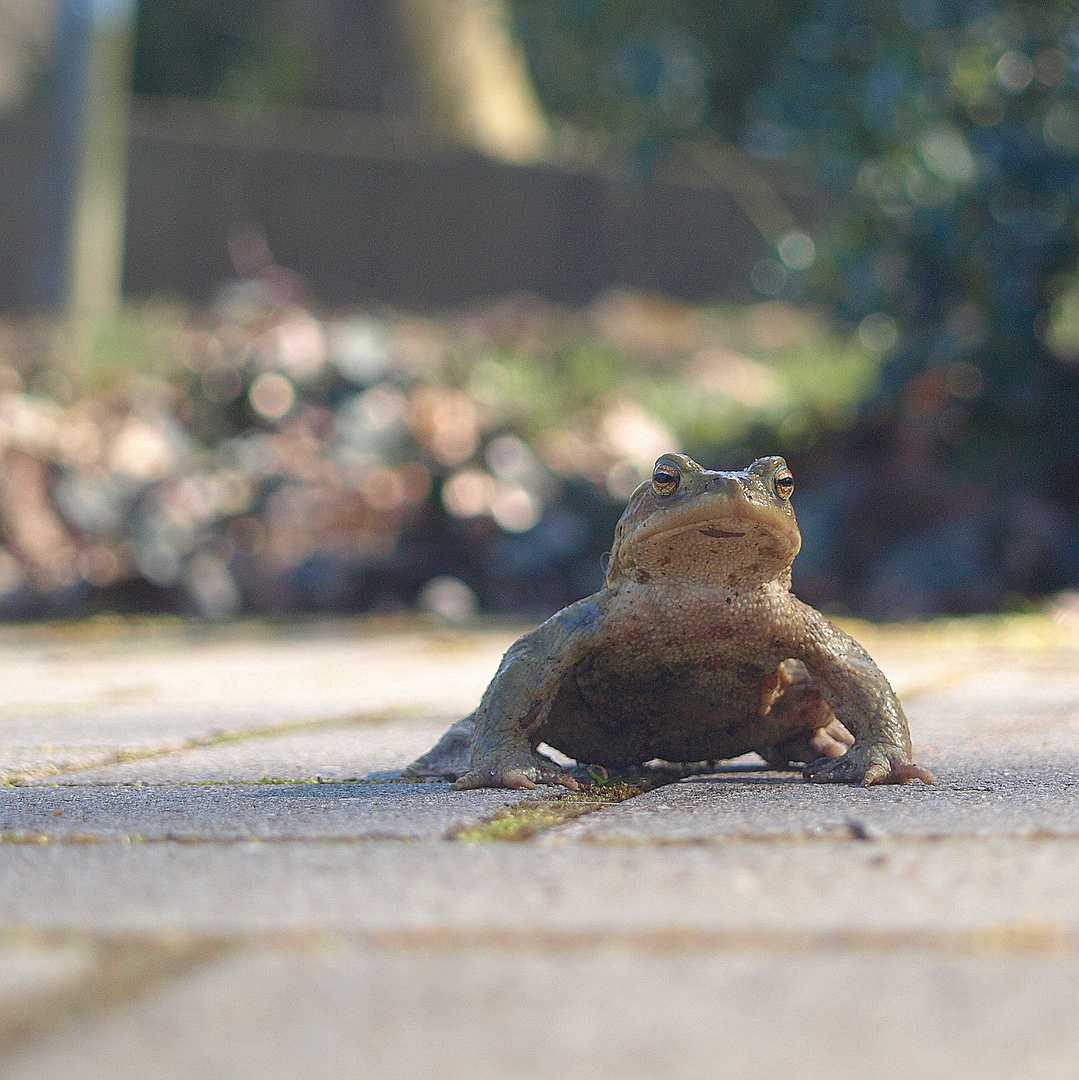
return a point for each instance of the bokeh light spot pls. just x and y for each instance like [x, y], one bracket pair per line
[797, 250]
[271, 395]
[878, 332]
[768, 277]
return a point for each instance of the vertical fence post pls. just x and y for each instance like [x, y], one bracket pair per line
[79, 263]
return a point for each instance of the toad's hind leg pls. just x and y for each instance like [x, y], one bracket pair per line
[791, 701]
[450, 757]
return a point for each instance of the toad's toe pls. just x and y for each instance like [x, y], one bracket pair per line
[514, 779]
[883, 765]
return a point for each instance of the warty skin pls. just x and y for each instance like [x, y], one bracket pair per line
[694, 650]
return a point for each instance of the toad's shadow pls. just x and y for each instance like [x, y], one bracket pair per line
[661, 773]
[383, 784]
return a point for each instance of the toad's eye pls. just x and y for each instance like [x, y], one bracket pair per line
[784, 482]
[666, 478]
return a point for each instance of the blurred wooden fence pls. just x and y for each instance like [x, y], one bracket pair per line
[369, 214]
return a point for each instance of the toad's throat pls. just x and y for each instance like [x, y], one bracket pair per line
[711, 530]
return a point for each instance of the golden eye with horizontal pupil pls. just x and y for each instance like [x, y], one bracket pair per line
[784, 483]
[666, 478]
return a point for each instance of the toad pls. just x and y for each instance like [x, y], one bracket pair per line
[695, 650]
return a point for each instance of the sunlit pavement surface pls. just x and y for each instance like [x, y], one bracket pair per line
[208, 869]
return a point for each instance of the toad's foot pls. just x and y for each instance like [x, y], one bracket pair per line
[880, 764]
[519, 775]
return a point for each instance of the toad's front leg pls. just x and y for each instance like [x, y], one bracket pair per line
[519, 698]
[863, 702]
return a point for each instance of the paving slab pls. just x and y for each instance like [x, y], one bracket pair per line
[32, 970]
[1016, 720]
[1035, 802]
[335, 1009]
[999, 894]
[273, 811]
[740, 924]
[349, 751]
[70, 704]
[817, 959]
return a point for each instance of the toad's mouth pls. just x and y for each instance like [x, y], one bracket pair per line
[728, 527]
[721, 515]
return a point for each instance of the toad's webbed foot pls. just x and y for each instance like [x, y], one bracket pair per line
[519, 775]
[881, 764]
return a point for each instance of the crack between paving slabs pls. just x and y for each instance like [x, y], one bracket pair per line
[528, 819]
[122, 970]
[16, 777]
[125, 967]
[989, 940]
[515, 824]
[519, 822]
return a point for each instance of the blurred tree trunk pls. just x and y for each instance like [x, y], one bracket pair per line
[477, 76]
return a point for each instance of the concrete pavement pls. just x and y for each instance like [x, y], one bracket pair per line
[207, 868]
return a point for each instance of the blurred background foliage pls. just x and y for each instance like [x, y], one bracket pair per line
[267, 457]
[915, 356]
